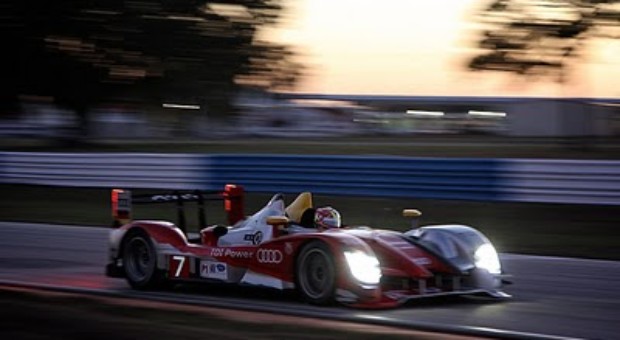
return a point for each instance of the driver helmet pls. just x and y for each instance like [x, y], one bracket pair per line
[327, 218]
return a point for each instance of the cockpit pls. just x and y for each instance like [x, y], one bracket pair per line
[255, 229]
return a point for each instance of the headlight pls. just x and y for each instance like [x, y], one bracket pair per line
[364, 267]
[486, 258]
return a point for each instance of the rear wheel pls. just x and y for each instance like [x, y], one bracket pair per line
[316, 273]
[140, 262]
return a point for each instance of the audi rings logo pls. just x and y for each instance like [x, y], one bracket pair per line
[272, 256]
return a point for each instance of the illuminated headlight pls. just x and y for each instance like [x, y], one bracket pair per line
[486, 258]
[364, 267]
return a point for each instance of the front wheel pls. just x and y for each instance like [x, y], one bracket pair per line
[316, 273]
[140, 262]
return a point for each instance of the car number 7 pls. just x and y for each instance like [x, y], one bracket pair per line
[181, 260]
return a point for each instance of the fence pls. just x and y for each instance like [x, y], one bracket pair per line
[525, 180]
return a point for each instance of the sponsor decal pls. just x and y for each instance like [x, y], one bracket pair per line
[422, 261]
[123, 203]
[254, 238]
[232, 253]
[396, 295]
[288, 248]
[213, 270]
[271, 256]
[167, 198]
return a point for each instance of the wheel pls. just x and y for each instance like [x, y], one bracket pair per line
[140, 262]
[316, 273]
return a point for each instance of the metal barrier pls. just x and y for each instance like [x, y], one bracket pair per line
[124, 170]
[560, 181]
[359, 175]
[525, 180]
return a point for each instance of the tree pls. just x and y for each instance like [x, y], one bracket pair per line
[542, 37]
[272, 66]
[83, 52]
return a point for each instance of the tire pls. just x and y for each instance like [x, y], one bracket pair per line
[315, 274]
[140, 262]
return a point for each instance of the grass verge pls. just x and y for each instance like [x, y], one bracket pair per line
[586, 231]
[414, 146]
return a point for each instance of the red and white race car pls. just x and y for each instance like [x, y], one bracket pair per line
[356, 266]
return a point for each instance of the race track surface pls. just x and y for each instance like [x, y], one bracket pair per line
[553, 297]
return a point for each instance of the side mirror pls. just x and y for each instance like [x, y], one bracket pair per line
[414, 215]
[277, 221]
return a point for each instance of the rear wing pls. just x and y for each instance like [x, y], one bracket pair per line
[232, 195]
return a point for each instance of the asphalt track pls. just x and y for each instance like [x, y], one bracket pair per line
[553, 297]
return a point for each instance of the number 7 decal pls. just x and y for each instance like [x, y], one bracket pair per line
[178, 267]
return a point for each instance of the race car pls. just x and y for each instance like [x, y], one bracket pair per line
[276, 247]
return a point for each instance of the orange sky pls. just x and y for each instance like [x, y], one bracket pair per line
[410, 47]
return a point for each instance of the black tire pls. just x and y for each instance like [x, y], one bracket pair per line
[315, 273]
[140, 262]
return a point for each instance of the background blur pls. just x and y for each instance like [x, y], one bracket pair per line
[77, 72]
[499, 114]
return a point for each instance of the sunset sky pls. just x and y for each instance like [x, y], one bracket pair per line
[408, 47]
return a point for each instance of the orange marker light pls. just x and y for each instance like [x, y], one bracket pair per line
[121, 206]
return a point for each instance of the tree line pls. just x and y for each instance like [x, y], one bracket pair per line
[83, 53]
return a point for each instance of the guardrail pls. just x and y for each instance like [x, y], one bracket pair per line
[122, 170]
[525, 180]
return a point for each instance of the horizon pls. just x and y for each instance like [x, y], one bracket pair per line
[370, 53]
